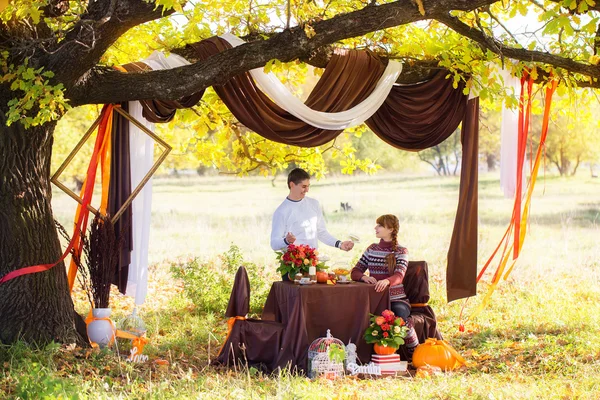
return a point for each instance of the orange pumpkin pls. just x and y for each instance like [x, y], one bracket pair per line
[322, 276]
[436, 353]
[384, 350]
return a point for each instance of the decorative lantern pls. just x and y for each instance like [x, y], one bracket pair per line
[319, 361]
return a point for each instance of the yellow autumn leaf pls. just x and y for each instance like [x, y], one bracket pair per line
[309, 31]
[594, 59]
[420, 5]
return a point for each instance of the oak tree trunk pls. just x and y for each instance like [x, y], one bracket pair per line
[36, 307]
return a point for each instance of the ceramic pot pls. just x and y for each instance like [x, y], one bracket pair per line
[384, 350]
[101, 329]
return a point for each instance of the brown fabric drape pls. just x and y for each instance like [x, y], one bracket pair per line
[253, 343]
[162, 110]
[461, 272]
[420, 116]
[239, 301]
[120, 190]
[348, 79]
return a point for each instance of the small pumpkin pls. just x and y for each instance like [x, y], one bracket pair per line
[322, 276]
[436, 353]
[384, 350]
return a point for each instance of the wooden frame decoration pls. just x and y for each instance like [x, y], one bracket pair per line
[166, 150]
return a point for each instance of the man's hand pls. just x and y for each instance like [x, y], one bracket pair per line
[347, 245]
[368, 279]
[290, 238]
[381, 285]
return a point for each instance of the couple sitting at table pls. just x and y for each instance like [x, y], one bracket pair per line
[299, 220]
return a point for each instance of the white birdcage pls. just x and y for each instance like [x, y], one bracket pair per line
[319, 362]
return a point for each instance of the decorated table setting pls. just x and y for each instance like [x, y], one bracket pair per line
[317, 301]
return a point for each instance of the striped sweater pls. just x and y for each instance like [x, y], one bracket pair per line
[373, 259]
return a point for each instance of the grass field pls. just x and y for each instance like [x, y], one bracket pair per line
[537, 338]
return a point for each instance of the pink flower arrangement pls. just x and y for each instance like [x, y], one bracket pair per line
[386, 330]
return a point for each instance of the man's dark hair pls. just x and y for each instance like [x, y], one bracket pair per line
[297, 175]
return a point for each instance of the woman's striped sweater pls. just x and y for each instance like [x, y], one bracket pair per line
[373, 259]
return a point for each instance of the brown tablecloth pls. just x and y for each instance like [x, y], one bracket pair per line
[308, 311]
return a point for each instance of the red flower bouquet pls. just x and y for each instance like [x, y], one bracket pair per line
[386, 330]
[296, 259]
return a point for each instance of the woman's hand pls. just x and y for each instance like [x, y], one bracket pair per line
[381, 285]
[368, 279]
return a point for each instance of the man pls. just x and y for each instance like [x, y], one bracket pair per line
[299, 219]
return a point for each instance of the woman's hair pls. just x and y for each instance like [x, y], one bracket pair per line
[390, 221]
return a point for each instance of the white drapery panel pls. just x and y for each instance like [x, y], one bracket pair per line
[141, 150]
[508, 139]
[280, 94]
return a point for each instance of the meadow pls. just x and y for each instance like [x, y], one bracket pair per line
[538, 338]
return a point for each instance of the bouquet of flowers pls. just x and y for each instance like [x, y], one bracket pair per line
[386, 330]
[296, 259]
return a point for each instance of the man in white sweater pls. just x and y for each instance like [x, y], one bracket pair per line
[299, 219]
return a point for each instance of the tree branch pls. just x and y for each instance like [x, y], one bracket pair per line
[497, 47]
[104, 22]
[110, 86]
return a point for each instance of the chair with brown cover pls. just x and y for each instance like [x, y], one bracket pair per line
[251, 342]
[416, 287]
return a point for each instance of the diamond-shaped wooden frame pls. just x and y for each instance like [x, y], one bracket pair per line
[138, 188]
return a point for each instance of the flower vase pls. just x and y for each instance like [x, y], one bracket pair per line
[384, 350]
[100, 329]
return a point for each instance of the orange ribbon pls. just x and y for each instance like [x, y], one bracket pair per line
[102, 150]
[230, 324]
[519, 218]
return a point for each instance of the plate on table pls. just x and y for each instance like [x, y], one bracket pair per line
[344, 282]
[323, 258]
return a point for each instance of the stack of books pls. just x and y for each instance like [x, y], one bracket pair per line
[390, 364]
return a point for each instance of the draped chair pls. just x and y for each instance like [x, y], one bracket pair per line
[416, 287]
[251, 342]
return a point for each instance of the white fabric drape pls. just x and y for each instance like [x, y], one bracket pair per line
[141, 150]
[508, 139]
[332, 121]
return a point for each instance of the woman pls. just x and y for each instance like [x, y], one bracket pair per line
[387, 262]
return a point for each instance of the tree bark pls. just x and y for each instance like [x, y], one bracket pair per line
[36, 307]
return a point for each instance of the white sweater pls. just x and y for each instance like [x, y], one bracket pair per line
[304, 218]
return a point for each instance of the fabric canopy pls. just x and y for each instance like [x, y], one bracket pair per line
[412, 117]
